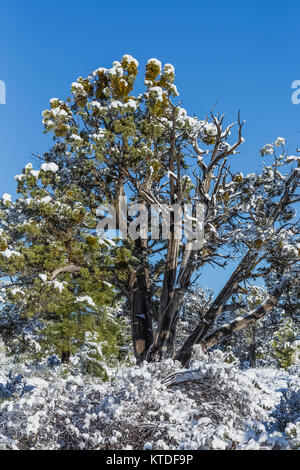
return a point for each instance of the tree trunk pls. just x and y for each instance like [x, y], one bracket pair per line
[141, 326]
[141, 318]
[168, 307]
[65, 357]
[252, 347]
[165, 338]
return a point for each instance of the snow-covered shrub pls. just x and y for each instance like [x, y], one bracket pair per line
[15, 386]
[288, 410]
[212, 405]
[227, 355]
[53, 361]
[292, 432]
[92, 358]
[19, 335]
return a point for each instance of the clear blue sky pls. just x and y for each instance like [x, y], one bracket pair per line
[242, 53]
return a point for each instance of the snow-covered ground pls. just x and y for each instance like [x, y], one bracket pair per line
[212, 405]
[274, 380]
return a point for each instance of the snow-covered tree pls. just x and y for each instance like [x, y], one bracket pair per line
[53, 268]
[111, 142]
[285, 343]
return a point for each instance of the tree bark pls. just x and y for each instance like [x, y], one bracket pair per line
[252, 347]
[170, 296]
[65, 357]
[141, 318]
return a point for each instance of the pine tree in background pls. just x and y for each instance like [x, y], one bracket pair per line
[54, 267]
[285, 343]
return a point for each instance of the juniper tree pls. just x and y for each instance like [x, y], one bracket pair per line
[53, 266]
[112, 139]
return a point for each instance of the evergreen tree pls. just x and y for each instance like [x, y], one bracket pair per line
[54, 265]
[110, 142]
[285, 343]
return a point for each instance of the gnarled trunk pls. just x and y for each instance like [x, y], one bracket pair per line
[141, 321]
[168, 307]
[141, 317]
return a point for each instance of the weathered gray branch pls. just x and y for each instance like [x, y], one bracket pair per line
[225, 331]
[68, 268]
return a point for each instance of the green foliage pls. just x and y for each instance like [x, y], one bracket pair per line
[110, 141]
[285, 347]
[93, 359]
[57, 266]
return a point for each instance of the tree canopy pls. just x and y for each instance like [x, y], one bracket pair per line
[114, 138]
